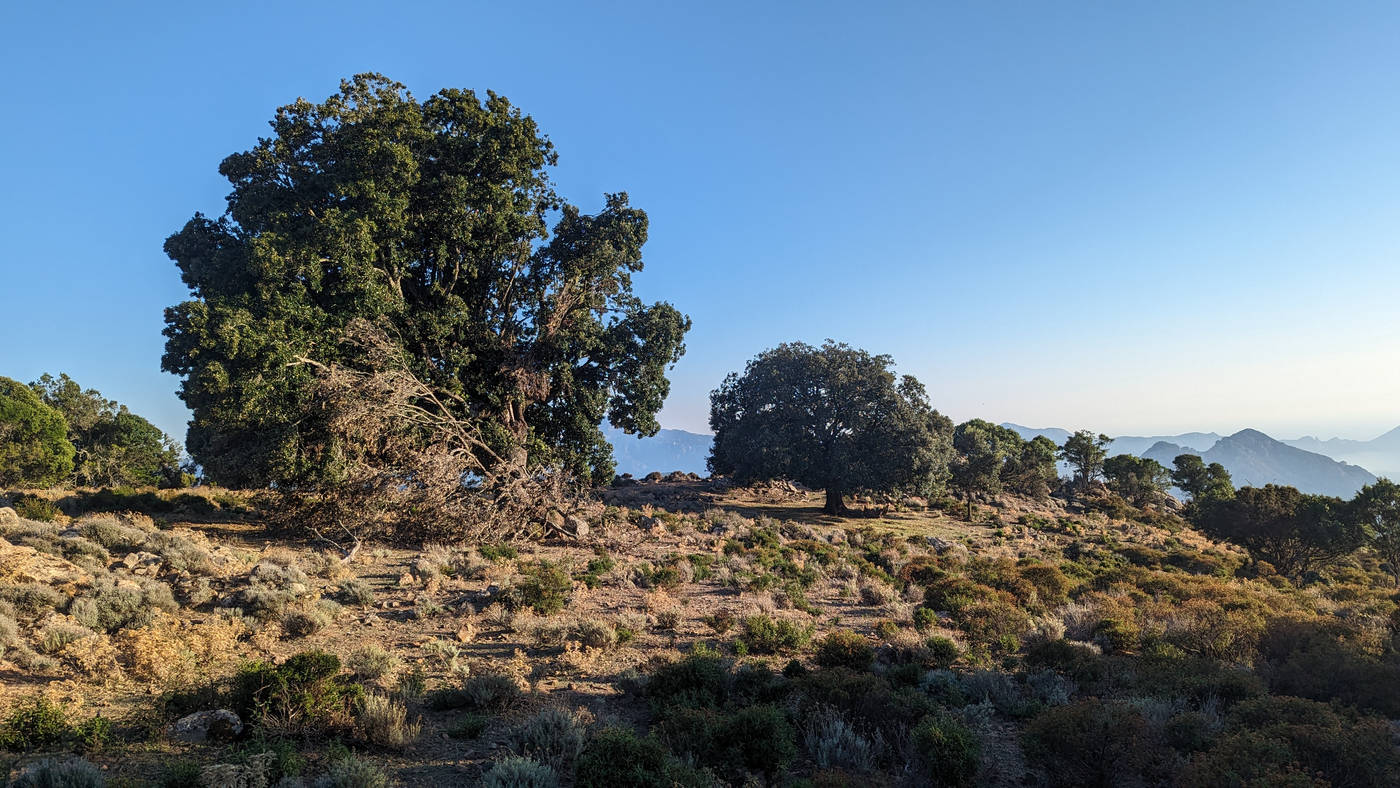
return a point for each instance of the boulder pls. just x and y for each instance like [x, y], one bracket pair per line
[215, 725]
[576, 526]
[21, 564]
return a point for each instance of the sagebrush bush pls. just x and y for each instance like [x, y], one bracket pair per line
[514, 771]
[554, 736]
[355, 591]
[112, 604]
[110, 532]
[491, 691]
[371, 662]
[352, 772]
[53, 773]
[383, 721]
[180, 553]
[30, 600]
[57, 634]
[594, 634]
[832, 743]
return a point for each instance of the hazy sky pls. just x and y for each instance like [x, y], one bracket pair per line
[1133, 217]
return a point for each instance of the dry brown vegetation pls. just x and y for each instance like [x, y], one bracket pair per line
[1036, 643]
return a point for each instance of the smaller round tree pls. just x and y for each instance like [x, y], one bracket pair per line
[833, 418]
[34, 447]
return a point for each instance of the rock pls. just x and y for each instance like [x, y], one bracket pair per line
[21, 564]
[466, 633]
[217, 725]
[576, 526]
[406, 579]
[554, 519]
[143, 563]
[915, 502]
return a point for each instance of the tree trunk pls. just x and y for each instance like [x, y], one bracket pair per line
[833, 501]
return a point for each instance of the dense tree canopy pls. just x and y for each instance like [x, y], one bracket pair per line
[991, 458]
[34, 446]
[113, 445]
[1294, 531]
[1085, 452]
[1201, 481]
[832, 417]
[430, 221]
[1377, 508]
[1141, 480]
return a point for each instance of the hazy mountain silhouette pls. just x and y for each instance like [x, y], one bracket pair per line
[1381, 455]
[668, 450]
[1254, 459]
[1123, 444]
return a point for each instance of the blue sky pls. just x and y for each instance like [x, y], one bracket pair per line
[1132, 217]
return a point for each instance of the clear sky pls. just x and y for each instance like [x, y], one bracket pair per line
[1133, 217]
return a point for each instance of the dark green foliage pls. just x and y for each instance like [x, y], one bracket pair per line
[767, 635]
[832, 418]
[1293, 531]
[114, 446]
[432, 219]
[750, 739]
[949, 752]
[697, 681]
[618, 758]
[1284, 741]
[1094, 742]
[32, 507]
[35, 724]
[497, 552]
[1140, 480]
[1085, 452]
[942, 651]
[34, 446]
[844, 649]
[546, 588]
[868, 701]
[1200, 481]
[597, 567]
[181, 774]
[306, 692]
[469, 725]
[1377, 508]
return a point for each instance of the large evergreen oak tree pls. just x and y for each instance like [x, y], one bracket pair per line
[832, 417]
[432, 221]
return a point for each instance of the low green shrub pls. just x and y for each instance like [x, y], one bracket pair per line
[767, 635]
[948, 751]
[844, 649]
[306, 694]
[513, 771]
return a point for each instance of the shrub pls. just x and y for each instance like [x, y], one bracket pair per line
[112, 533]
[545, 587]
[383, 721]
[554, 736]
[617, 758]
[697, 681]
[57, 634]
[594, 634]
[942, 651]
[832, 743]
[30, 600]
[308, 621]
[50, 773]
[497, 552]
[752, 739]
[355, 591]
[948, 751]
[32, 507]
[113, 604]
[844, 649]
[924, 618]
[352, 772]
[1094, 742]
[304, 695]
[371, 662]
[767, 635]
[490, 691]
[468, 726]
[516, 772]
[181, 554]
[35, 724]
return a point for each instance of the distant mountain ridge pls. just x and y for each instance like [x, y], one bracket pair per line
[666, 451]
[1380, 454]
[1251, 457]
